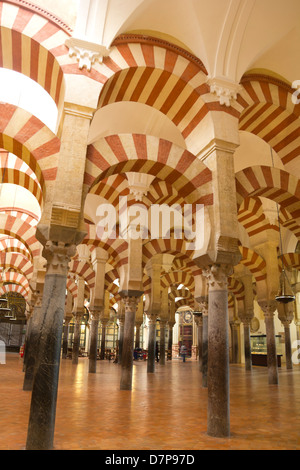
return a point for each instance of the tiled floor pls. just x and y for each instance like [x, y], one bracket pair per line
[164, 411]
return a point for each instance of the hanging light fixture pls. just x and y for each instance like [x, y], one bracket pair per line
[285, 293]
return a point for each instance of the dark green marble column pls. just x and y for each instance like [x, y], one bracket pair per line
[151, 344]
[44, 391]
[128, 344]
[32, 344]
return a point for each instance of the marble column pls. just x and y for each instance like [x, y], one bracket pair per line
[76, 339]
[269, 309]
[288, 345]
[65, 338]
[137, 334]
[247, 343]
[33, 343]
[199, 323]
[44, 391]
[170, 339]
[235, 326]
[286, 316]
[218, 416]
[104, 323]
[99, 303]
[246, 313]
[151, 344]
[130, 303]
[121, 337]
[95, 318]
[203, 304]
[79, 311]
[162, 357]
[67, 319]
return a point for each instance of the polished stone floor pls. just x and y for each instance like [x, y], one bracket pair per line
[164, 411]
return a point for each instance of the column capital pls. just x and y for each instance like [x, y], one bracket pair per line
[95, 313]
[78, 316]
[246, 316]
[130, 302]
[198, 320]
[268, 307]
[152, 318]
[203, 304]
[217, 276]
[58, 256]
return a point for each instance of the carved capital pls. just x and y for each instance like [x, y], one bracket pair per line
[130, 303]
[268, 307]
[247, 316]
[198, 320]
[217, 276]
[151, 318]
[225, 90]
[86, 53]
[58, 256]
[78, 316]
[95, 314]
[203, 304]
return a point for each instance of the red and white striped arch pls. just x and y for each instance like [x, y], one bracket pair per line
[291, 260]
[271, 183]
[143, 68]
[185, 303]
[116, 248]
[14, 277]
[14, 288]
[32, 43]
[161, 75]
[267, 110]
[151, 155]
[22, 231]
[184, 293]
[254, 262]
[171, 246]
[175, 278]
[237, 288]
[14, 171]
[12, 245]
[18, 262]
[84, 270]
[30, 140]
[252, 218]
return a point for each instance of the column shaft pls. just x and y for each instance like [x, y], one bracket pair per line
[271, 348]
[32, 346]
[103, 339]
[247, 345]
[93, 344]
[121, 339]
[288, 347]
[218, 414]
[44, 391]
[76, 338]
[204, 350]
[65, 339]
[162, 357]
[151, 346]
[128, 345]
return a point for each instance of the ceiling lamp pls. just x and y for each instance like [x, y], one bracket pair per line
[285, 293]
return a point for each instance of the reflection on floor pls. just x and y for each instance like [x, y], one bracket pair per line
[164, 411]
